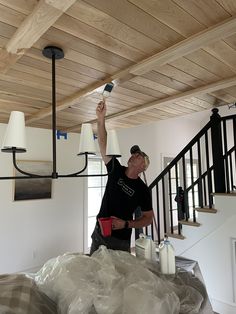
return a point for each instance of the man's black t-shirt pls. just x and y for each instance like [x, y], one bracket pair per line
[122, 196]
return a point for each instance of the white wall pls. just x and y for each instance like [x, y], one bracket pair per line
[34, 231]
[211, 245]
[163, 138]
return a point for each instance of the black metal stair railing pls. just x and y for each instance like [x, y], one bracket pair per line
[205, 166]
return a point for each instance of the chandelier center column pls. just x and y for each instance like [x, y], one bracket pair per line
[53, 53]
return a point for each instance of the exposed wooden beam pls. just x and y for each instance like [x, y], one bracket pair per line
[214, 33]
[69, 101]
[193, 43]
[43, 16]
[158, 104]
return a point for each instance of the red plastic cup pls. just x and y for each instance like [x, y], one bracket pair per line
[105, 226]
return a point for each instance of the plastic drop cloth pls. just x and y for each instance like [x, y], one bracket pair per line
[115, 282]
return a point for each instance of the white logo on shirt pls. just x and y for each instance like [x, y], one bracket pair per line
[125, 187]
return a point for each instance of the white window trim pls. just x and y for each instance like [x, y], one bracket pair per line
[86, 248]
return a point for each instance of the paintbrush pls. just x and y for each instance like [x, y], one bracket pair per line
[107, 90]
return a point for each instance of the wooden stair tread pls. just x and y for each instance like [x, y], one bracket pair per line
[190, 223]
[206, 210]
[176, 236]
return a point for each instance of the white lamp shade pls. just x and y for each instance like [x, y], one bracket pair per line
[15, 132]
[113, 148]
[87, 144]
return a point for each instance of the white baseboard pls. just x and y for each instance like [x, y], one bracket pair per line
[222, 307]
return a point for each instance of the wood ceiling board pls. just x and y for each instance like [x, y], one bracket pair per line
[128, 98]
[24, 91]
[139, 20]
[63, 105]
[77, 58]
[26, 64]
[152, 115]
[182, 96]
[112, 104]
[29, 80]
[11, 17]
[37, 57]
[210, 63]
[193, 69]
[196, 103]
[44, 14]
[171, 15]
[7, 31]
[22, 6]
[80, 112]
[166, 81]
[231, 91]
[134, 120]
[187, 46]
[231, 41]
[65, 121]
[114, 101]
[172, 109]
[187, 108]
[131, 93]
[165, 90]
[142, 89]
[68, 117]
[171, 99]
[116, 124]
[229, 6]
[94, 51]
[72, 82]
[112, 27]
[224, 96]
[180, 75]
[8, 107]
[3, 41]
[96, 37]
[37, 104]
[208, 12]
[223, 52]
[208, 98]
[189, 105]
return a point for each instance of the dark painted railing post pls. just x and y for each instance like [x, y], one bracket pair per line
[217, 152]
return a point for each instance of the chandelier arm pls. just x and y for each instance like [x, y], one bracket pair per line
[78, 175]
[75, 174]
[29, 175]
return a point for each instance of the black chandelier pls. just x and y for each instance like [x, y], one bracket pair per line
[14, 141]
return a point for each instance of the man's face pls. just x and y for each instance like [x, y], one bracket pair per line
[137, 160]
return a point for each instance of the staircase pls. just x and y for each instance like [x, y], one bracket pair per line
[185, 188]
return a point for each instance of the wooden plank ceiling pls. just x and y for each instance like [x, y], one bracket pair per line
[167, 58]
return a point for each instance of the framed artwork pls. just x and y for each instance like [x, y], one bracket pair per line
[30, 189]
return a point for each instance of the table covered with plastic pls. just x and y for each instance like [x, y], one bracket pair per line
[116, 282]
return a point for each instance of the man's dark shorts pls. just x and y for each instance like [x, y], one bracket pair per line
[109, 242]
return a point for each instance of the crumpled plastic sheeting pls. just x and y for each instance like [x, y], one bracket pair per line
[113, 282]
[70, 280]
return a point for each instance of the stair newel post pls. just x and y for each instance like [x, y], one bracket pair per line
[217, 152]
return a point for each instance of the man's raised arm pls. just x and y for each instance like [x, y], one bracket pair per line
[101, 129]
